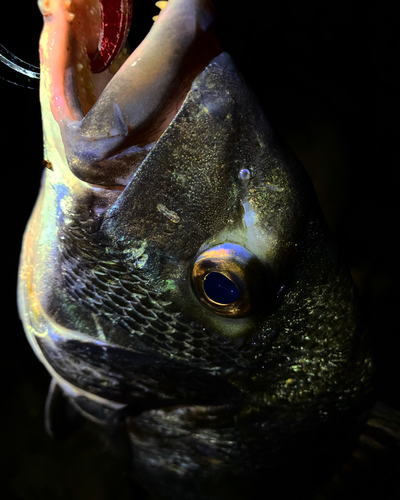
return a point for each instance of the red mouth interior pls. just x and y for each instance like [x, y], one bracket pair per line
[132, 100]
[147, 86]
[116, 20]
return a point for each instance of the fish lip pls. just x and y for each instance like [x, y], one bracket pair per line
[120, 117]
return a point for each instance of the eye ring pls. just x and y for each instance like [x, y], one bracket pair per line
[236, 272]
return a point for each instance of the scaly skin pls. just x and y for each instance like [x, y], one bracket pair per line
[106, 291]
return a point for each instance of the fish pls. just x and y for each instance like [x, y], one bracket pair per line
[178, 279]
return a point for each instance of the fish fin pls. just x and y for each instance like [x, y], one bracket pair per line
[373, 469]
[60, 417]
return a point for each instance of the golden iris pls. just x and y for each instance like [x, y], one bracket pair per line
[227, 279]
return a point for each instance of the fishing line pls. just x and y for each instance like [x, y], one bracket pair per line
[16, 64]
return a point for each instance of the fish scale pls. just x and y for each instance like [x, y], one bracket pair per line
[206, 393]
[82, 281]
[288, 378]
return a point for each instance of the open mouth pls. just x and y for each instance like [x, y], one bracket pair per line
[112, 105]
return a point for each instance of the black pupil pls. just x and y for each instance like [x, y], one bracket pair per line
[220, 289]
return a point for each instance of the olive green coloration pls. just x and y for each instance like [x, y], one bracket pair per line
[114, 315]
[210, 397]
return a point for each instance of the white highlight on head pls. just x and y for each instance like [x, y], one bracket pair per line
[249, 215]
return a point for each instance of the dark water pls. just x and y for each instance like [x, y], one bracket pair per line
[327, 78]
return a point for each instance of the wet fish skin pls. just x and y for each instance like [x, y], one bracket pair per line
[109, 307]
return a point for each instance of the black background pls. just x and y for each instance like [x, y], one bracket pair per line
[327, 77]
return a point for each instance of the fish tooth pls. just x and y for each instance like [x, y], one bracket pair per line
[161, 5]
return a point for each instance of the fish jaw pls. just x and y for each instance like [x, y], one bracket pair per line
[106, 291]
[130, 103]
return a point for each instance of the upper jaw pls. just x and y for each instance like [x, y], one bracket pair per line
[102, 115]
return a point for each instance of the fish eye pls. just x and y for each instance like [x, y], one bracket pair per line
[230, 280]
[220, 288]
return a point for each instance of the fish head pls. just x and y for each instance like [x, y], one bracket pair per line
[177, 265]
